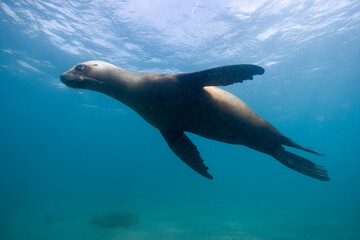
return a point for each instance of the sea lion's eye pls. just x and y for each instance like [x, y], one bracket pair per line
[80, 67]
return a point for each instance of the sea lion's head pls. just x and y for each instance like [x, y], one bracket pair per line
[92, 75]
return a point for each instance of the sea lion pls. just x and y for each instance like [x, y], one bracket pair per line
[190, 102]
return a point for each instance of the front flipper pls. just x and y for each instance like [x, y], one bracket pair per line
[186, 151]
[220, 76]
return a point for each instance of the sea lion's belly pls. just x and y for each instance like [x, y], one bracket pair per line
[211, 112]
[221, 116]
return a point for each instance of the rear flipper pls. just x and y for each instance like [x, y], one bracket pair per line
[301, 164]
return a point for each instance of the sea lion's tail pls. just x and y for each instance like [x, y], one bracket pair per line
[288, 142]
[301, 164]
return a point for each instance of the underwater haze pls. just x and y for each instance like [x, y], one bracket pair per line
[76, 164]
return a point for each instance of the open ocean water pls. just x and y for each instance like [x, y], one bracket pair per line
[76, 164]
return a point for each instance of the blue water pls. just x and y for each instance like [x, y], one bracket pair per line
[70, 155]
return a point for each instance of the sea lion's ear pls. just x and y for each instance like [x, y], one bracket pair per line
[220, 76]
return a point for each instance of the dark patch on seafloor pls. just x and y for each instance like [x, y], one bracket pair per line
[114, 220]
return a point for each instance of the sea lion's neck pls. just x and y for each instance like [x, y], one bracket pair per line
[137, 90]
[130, 88]
[119, 84]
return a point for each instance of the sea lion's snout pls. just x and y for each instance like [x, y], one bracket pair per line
[67, 78]
[71, 80]
[63, 78]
